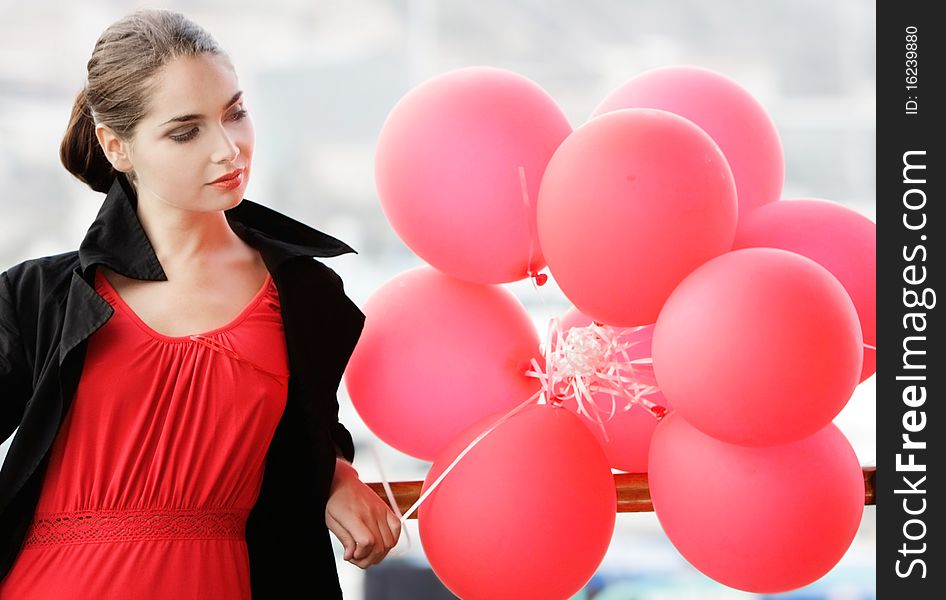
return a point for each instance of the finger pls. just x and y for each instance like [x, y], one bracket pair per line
[343, 535]
[395, 525]
[365, 540]
[374, 558]
[387, 536]
[365, 562]
[383, 543]
[361, 563]
[363, 549]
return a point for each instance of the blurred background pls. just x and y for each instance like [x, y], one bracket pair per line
[319, 79]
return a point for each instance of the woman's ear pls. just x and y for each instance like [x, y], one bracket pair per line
[115, 148]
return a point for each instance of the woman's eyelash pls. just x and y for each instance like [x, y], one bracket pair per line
[185, 136]
[189, 135]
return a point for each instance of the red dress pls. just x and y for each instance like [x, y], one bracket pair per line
[158, 461]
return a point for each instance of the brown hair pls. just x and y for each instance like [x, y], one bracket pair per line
[121, 71]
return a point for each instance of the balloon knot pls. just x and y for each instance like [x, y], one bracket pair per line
[584, 362]
[540, 278]
[659, 411]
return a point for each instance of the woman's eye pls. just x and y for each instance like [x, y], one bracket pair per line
[189, 135]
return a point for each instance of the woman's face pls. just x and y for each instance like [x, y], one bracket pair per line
[195, 131]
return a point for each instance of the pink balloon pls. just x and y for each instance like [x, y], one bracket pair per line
[759, 347]
[447, 169]
[437, 354]
[630, 203]
[836, 237]
[727, 112]
[763, 520]
[629, 432]
[528, 513]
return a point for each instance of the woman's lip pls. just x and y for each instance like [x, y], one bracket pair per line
[230, 184]
[231, 175]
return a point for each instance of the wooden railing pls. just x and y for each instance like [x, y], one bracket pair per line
[632, 489]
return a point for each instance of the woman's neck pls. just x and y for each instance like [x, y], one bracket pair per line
[185, 238]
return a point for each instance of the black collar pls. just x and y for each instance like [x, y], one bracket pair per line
[117, 240]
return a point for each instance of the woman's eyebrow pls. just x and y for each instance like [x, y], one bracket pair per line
[235, 97]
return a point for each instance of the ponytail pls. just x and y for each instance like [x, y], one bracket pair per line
[80, 151]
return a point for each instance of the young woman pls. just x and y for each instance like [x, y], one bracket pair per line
[174, 379]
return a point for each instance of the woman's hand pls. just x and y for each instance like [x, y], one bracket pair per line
[362, 522]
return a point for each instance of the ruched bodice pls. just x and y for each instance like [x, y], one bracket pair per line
[158, 461]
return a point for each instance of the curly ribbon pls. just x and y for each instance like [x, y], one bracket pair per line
[585, 361]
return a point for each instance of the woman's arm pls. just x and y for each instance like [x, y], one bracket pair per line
[15, 386]
[362, 522]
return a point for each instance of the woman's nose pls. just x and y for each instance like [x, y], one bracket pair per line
[227, 149]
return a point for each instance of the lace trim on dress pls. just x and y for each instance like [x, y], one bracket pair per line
[92, 526]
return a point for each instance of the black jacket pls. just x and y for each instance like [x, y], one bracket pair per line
[48, 310]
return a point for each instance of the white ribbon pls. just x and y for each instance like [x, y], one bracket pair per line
[585, 361]
[456, 460]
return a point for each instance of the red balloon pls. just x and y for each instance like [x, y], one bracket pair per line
[727, 112]
[759, 346]
[629, 431]
[447, 168]
[630, 203]
[763, 520]
[436, 355]
[836, 237]
[528, 513]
